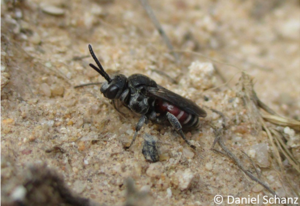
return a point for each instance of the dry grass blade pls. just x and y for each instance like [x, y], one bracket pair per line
[159, 28]
[282, 121]
[247, 94]
[253, 164]
[273, 117]
[280, 146]
[285, 151]
[271, 139]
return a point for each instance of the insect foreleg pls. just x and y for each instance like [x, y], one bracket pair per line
[139, 125]
[177, 126]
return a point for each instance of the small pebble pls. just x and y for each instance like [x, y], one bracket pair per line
[271, 176]
[257, 188]
[35, 38]
[49, 65]
[164, 156]
[262, 154]
[50, 123]
[19, 193]
[18, 13]
[25, 26]
[96, 10]
[289, 29]
[169, 193]
[32, 138]
[45, 89]
[183, 179]
[209, 166]
[52, 10]
[188, 153]
[155, 170]
[7, 121]
[252, 153]
[81, 146]
[117, 169]
[289, 131]
[3, 68]
[201, 74]
[5, 78]
[94, 109]
[149, 150]
[145, 188]
[79, 186]
[57, 90]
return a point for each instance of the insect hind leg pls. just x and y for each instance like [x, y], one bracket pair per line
[177, 126]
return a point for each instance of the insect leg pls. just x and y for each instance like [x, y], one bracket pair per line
[177, 126]
[139, 125]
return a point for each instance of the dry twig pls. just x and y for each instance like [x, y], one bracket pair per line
[159, 28]
[219, 140]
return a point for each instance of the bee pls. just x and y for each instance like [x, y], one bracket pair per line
[144, 96]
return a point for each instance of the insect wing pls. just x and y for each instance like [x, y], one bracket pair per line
[177, 100]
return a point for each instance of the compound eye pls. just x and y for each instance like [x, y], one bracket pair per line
[104, 87]
[111, 93]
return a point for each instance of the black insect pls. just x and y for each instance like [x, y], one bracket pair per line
[142, 95]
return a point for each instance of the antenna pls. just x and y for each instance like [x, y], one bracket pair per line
[99, 69]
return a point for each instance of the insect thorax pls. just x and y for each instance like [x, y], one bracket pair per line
[138, 102]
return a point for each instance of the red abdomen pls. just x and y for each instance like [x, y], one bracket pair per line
[163, 107]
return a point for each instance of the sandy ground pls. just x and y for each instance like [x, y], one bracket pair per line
[77, 132]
